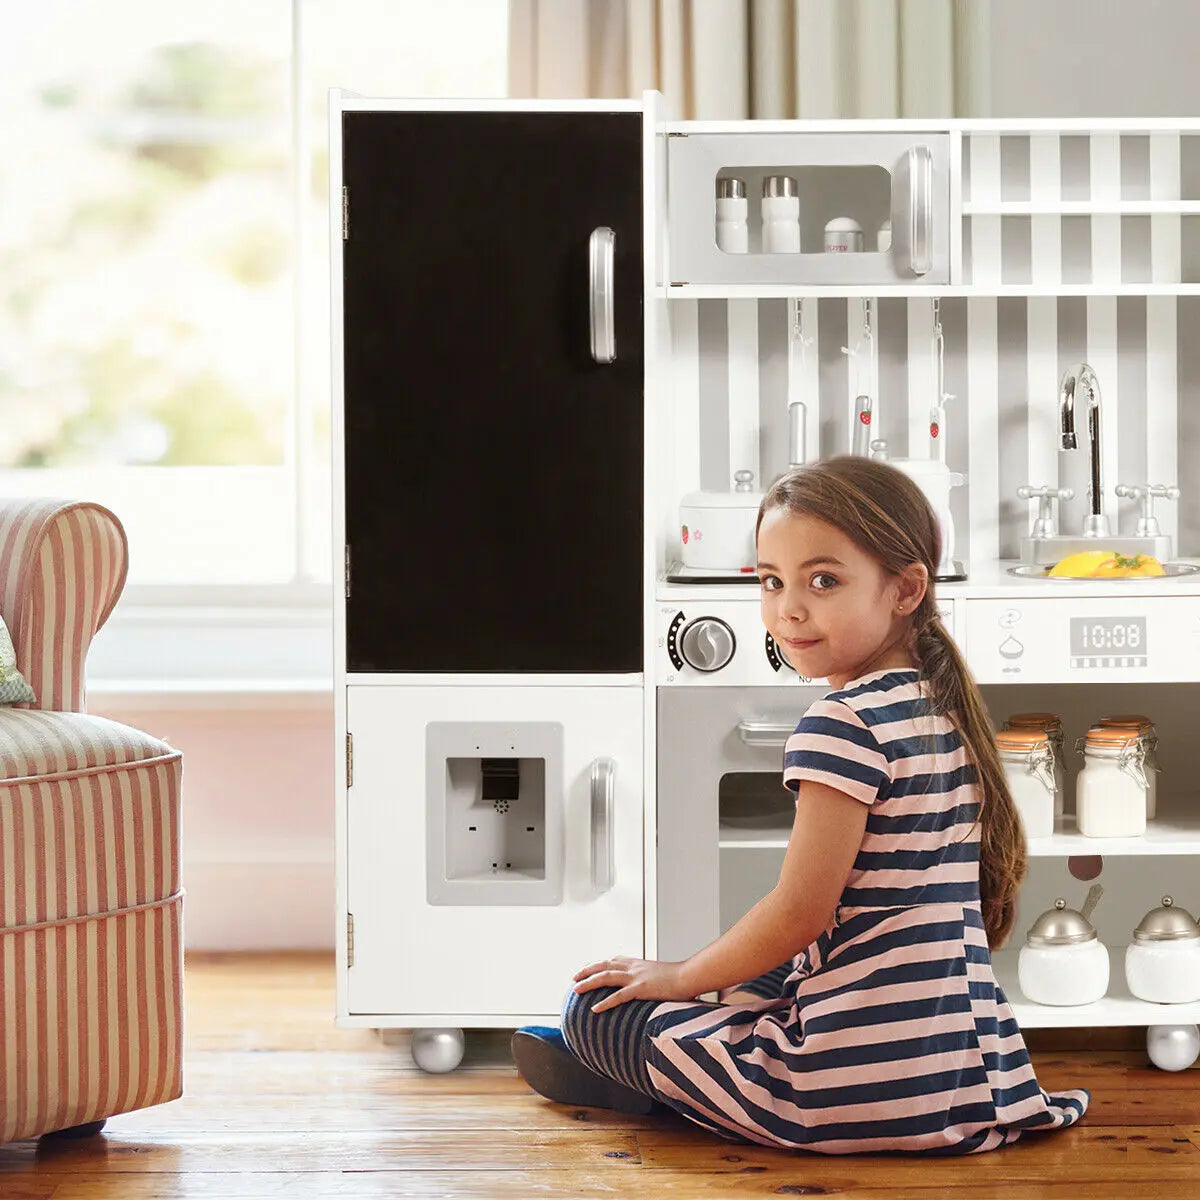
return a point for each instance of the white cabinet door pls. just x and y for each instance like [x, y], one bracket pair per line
[414, 957]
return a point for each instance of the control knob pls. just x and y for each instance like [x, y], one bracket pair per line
[707, 644]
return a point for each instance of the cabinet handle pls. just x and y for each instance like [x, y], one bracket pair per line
[604, 773]
[765, 733]
[601, 246]
[920, 210]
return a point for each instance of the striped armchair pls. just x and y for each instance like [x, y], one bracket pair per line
[90, 898]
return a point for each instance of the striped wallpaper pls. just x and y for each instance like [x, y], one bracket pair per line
[1004, 356]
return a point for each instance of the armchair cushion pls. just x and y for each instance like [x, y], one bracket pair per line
[14, 688]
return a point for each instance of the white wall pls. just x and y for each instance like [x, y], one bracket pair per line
[257, 826]
[1095, 58]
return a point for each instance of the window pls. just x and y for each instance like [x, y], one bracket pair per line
[164, 297]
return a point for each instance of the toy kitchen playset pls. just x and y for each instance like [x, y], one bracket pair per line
[572, 344]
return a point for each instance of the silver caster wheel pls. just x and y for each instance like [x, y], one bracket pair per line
[437, 1050]
[1173, 1047]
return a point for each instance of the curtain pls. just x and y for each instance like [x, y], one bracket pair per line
[733, 59]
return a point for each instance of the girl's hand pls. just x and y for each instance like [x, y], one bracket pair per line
[637, 978]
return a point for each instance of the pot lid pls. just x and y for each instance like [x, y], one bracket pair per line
[742, 496]
[1167, 924]
[1063, 926]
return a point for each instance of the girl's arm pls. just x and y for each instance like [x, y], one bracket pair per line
[824, 841]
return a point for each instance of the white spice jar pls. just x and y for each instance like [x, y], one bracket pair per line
[1052, 726]
[1028, 762]
[1110, 793]
[780, 215]
[733, 231]
[1063, 962]
[1149, 735]
[1162, 963]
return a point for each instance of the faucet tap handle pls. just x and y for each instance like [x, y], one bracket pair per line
[1044, 525]
[1146, 493]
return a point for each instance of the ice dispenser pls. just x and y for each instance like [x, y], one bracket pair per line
[494, 812]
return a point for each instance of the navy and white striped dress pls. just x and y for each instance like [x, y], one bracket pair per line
[892, 1033]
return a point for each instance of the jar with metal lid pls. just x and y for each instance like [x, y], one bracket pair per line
[1149, 736]
[1053, 727]
[780, 215]
[1162, 963]
[733, 232]
[1028, 761]
[1063, 962]
[1110, 793]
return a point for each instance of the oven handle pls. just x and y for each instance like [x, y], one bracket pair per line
[765, 733]
[604, 773]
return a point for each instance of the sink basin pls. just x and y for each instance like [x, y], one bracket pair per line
[1172, 570]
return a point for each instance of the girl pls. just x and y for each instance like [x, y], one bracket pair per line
[885, 1030]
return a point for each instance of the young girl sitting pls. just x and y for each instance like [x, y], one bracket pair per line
[885, 1029]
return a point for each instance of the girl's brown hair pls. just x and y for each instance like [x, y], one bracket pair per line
[887, 515]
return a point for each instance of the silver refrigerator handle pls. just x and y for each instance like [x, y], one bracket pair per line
[601, 249]
[765, 733]
[604, 776]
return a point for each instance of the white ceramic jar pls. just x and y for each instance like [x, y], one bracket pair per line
[733, 231]
[1063, 962]
[1052, 726]
[1162, 963]
[843, 235]
[716, 529]
[780, 215]
[883, 239]
[1149, 736]
[1028, 762]
[1110, 793]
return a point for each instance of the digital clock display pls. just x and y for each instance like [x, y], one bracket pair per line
[1108, 642]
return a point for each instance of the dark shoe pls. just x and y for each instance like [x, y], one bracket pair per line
[77, 1131]
[545, 1063]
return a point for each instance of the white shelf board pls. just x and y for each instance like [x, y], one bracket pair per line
[1083, 208]
[1175, 834]
[772, 291]
[1116, 1008]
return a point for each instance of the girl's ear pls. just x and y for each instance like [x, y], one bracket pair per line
[911, 585]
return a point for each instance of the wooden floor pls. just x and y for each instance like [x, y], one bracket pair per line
[279, 1103]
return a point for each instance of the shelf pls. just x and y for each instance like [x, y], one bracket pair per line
[1117, 1008]
[1169, 835]
[1080, 208]
[771, 291]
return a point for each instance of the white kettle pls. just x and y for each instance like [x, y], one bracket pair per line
[936, 479]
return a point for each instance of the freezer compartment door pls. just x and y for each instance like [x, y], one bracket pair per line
[494, 844]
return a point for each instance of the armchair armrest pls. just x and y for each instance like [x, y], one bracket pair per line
[63, 565]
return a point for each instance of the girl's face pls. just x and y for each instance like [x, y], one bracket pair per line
[831, 607]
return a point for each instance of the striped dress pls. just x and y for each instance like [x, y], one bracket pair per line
[892, 1033]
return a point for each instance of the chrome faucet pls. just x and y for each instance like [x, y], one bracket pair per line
[1081, 377]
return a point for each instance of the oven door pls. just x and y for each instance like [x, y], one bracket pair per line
[724, 816]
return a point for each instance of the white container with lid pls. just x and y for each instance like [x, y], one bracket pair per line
[733, 233]
[1052, 725]
[1162, 963]
[717, 528]
[780, 215]
[883, 239]
[1028, 761]
[843, 235]
[1149, 736]
[1063, 962]
[1110, 793]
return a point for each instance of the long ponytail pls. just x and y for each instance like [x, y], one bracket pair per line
[952, 691]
